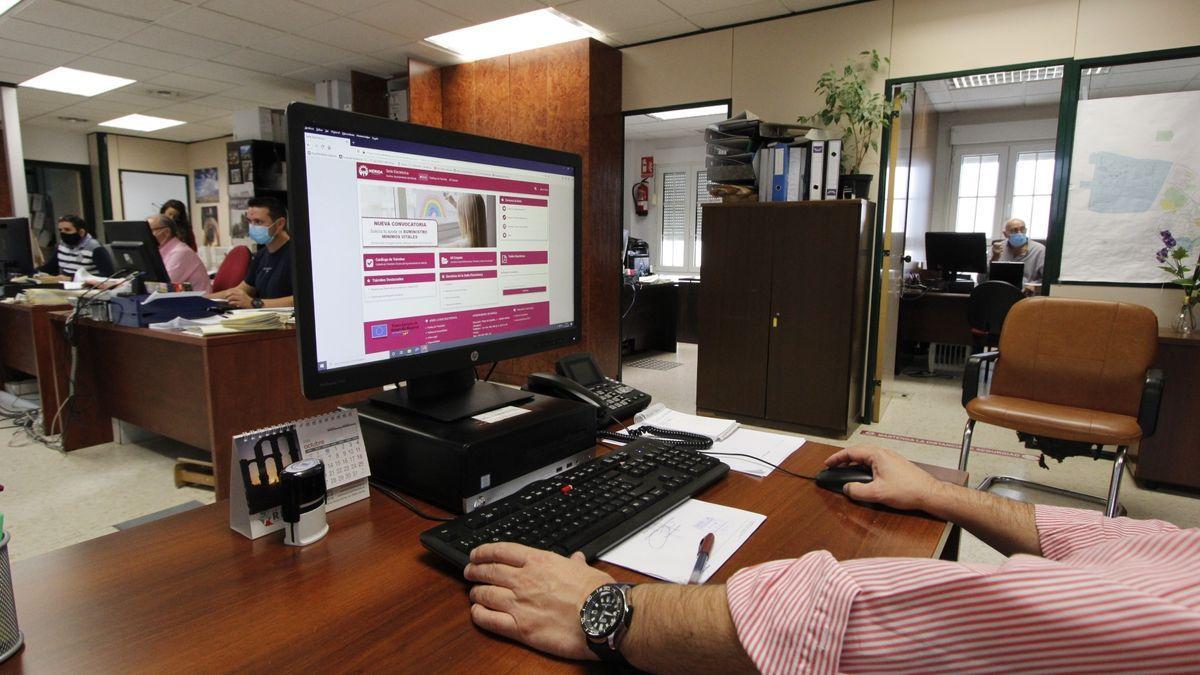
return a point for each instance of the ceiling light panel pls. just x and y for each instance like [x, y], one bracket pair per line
[540, 28]
[141, 123]
[681, 113]
[78, 82]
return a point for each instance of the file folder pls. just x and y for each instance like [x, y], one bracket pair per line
[816, 170]
[833, 167]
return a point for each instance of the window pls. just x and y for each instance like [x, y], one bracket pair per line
[1032, 182]
[683, 189]
[978, 183]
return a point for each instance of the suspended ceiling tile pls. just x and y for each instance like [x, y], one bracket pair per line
[179, 42]
[288, 15]
[50, 36]
[411, 19]
[81, 19]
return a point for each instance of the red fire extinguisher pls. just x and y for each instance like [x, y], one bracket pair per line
[641, 197]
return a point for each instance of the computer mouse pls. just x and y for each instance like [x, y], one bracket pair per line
[836, 477]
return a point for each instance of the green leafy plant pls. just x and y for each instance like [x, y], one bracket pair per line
[851, 105]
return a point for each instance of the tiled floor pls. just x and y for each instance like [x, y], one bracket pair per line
[52, 499]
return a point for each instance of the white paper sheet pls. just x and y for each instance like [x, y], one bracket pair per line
[666, 549]
[764, 445]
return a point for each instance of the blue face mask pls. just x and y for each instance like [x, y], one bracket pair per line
[261, 234]
[1016, 240]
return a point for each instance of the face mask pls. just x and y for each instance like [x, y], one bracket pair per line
[261, 234]
[72, 239]
[1018, 240]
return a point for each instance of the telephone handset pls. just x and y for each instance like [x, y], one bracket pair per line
[579, 378]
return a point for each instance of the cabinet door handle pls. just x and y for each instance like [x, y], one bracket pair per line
[775, 321]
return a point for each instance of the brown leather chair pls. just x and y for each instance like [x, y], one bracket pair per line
[1071, 377]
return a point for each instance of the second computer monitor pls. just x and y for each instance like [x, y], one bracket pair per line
[139, 256]
[954, 252]
[16, 252]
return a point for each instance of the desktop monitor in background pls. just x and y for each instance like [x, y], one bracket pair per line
[952, 253]
[1012, 272]
[16, 248]
[421, 252]
[135, 231]
[139, 256]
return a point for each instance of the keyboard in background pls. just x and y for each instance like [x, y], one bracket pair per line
[590, 508]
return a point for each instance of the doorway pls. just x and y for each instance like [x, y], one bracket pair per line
[57, 189]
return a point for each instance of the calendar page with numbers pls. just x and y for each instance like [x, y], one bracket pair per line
[336, 439]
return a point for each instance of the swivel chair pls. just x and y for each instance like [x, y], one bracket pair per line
[1071, 377]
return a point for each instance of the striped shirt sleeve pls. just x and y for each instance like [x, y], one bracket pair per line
[1063, 531]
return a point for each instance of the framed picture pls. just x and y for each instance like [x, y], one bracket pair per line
[207, 186]
[210, 226]
[235, 176]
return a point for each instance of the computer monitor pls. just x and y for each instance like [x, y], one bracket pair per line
[139, 256]
[16, 249]
[421, 252]
[953, 252]
[135, 231]
[1012, 272]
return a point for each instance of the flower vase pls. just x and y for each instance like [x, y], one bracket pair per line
[1185, 323]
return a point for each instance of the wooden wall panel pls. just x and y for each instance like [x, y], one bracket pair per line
[368, 94]
[566, 97]
[6, 200]
[424, 93]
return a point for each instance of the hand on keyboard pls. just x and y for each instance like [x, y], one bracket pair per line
[532, 596]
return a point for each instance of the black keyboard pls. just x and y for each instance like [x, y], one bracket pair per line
[590, 508]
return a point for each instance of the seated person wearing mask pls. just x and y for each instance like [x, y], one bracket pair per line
[182, 263]
[76, 251]
[1020, 248]
[1081, 592]
[269, 277]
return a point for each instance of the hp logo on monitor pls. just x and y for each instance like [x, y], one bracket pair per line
[474, 356]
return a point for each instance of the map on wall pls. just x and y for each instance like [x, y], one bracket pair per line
[1135, 172]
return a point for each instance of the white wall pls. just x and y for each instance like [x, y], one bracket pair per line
[54, 145]
[665, 151]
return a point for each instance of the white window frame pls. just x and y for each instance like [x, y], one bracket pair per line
[689, 244]
[1008, 153]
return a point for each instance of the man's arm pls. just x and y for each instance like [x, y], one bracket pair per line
[278, 302]
[1006, 525]
[238, 296]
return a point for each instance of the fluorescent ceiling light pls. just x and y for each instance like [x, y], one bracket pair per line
[540, 28]
[681, 113]
[6, 5]
[1007, 77]
[78, 82]
[141, 123]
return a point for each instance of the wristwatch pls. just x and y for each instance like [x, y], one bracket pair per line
[605, 617]
[256, 303]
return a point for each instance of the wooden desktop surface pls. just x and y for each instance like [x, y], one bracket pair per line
[25, 346]
[186, 593]
[197, 390]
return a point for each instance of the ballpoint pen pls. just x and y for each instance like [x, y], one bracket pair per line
[706, 546]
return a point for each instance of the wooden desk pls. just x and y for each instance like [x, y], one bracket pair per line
[198, 390]
[1172, 455]
[187, 593]
[935, 317]
[25, 347]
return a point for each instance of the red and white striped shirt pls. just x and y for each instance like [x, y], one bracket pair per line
[1111, 594]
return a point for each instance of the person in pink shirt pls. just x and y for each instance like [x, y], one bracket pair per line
[182, 263]
[1079, 593]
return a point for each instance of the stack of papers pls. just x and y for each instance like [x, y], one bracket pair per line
[666, 548]
[236, 321]
[254, 320]
[658, 415]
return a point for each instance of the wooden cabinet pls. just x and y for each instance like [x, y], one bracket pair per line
[1172, 455]
[783, 312]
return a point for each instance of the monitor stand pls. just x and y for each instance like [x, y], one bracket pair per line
[450, 396]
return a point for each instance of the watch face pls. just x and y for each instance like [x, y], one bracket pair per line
[602, 612]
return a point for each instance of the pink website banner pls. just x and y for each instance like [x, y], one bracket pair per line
[463, 276]
[522, 291]
[466, 259]
[524, 258]
[384, 262]
[382, 336]
[523, 201]
[400, 174]
[396, 279]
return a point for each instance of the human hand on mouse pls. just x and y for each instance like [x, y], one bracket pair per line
[897, 482]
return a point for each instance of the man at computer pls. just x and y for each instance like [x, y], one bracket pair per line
[268, 280]
[1018, 247]
[1081, 592]
[182, 263]
[76, 250]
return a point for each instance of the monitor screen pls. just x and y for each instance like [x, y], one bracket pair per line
[957, 251]
[16, 252]
[421, 250]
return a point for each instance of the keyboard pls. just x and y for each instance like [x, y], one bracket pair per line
[590, 508]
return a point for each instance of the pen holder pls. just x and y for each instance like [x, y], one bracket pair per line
[11, 637]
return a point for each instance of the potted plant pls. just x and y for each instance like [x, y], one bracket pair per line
[1171, 259]
[860, 112]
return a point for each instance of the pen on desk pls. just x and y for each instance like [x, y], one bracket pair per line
[706, 546]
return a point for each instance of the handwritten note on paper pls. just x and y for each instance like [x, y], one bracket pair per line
[666, 548]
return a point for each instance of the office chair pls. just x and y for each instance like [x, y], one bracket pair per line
[232, 270]
[986, 309]
[1071, 377]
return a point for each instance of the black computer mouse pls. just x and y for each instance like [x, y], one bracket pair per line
[836, 477]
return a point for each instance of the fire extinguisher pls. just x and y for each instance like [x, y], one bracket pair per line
[641, 197]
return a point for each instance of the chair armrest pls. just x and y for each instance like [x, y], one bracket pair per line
[971, 375]
[1151, 399]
